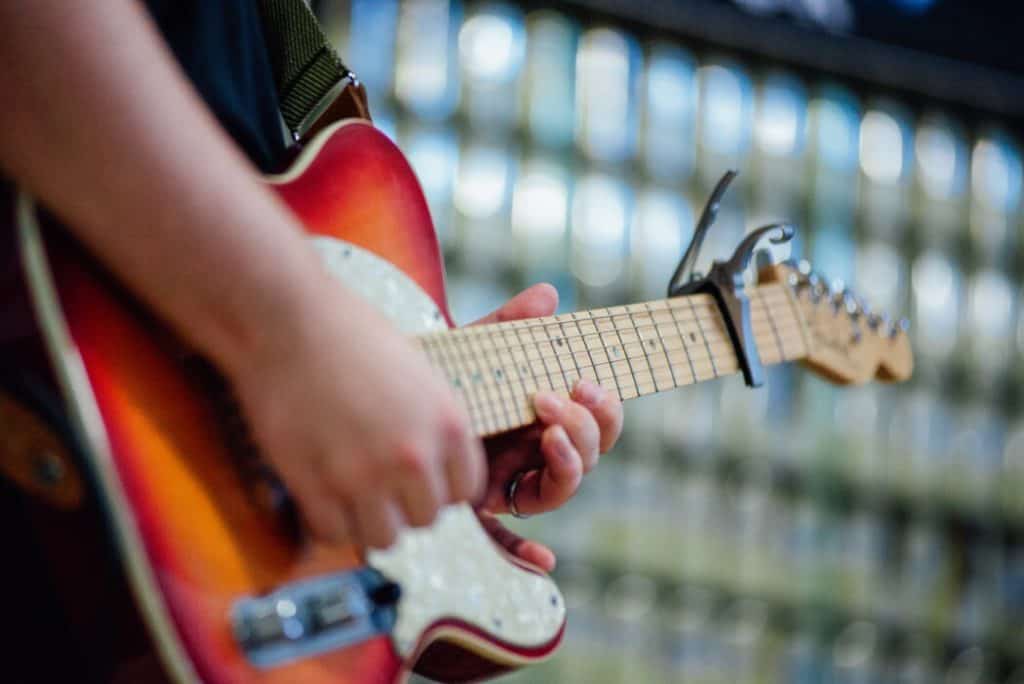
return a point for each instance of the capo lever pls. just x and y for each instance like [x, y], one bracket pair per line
[725, 280]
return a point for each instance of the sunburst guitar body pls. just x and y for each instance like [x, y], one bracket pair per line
[228, 587]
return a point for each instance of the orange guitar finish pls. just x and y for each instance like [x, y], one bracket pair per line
[206, 542]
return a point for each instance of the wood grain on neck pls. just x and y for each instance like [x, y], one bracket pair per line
[634, 350]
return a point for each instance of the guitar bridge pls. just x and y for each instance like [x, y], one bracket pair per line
[314, 616]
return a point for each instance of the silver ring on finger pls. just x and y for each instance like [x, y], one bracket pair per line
[510, 495]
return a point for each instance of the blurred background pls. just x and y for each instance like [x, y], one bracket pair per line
[799, 532]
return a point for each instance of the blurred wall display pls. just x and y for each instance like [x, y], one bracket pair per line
[787, 534]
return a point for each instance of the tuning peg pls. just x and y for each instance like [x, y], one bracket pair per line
[819, 287]
[900, 326]
[856, 307]
[878, 321]
[847, 301]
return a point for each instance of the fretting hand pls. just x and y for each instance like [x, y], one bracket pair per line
[551, 456]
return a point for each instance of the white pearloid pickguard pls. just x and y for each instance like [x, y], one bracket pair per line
[452, 569]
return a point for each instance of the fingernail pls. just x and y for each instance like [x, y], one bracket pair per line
[588, 392]
[548, 405]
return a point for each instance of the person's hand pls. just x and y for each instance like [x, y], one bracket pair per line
[367, 437]
[554, 453]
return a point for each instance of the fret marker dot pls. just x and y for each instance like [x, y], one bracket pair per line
[497, 374]
[476, 377]
[615, 351]
[693, 337]
[559, 341]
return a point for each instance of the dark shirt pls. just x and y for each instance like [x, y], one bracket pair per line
[220, 46]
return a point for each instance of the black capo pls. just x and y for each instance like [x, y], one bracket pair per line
[725, 280]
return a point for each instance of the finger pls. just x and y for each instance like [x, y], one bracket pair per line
[507, 455]
[329, 521]
[538, 300]
[378, 521]
[324, 510]
[605, 406]
[554, 484]
[530, 551]
[422, 488]
[465, 466]
[579, 424]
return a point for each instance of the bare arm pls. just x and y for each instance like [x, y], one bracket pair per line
[99, 123]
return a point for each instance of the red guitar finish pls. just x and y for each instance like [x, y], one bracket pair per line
[192, 538]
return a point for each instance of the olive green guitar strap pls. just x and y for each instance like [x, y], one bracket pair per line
[311, 79]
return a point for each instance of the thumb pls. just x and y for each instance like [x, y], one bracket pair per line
[535, 301]
[530, 551]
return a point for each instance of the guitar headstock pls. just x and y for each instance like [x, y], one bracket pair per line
[848, 343]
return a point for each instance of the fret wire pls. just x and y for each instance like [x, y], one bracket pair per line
[519, 373]
[472, 389]
[646, 357]
[537, 345]
[629, 364]
[491, 391]
[526, 357]
[616, 378]
[472, 405]
[498, 384]
[549, 382]
[447, 349]
[516, 387]
[789, 330]
[435, 352]
[612, 313]
[517, 399]
[711, 314]
[586, 347]
[793, 307]
[554, 351]
[771, 323]
[714, 369]
[687, 302]
[686, 345]
[575, 363]
[664, 349]
[475, 378]
[478, 392]
[722, 341]
[464, 351]
[716, 351]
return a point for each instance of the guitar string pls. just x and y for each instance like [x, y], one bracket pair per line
[499, 336]
[533, 350]
[656, 373]
[709, 315]
[496, 352]
[710, 308]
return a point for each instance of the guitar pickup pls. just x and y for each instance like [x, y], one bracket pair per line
[313, 616]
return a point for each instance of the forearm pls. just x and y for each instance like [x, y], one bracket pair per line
[100, 124]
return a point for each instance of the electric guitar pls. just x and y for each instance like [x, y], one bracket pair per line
[229, 589]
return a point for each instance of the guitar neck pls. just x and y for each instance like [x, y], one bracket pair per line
[635, 350]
